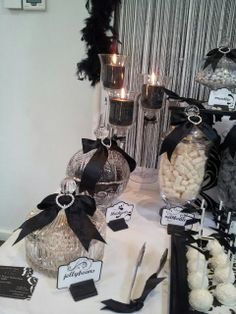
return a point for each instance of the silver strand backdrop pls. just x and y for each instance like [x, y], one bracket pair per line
[171, 36]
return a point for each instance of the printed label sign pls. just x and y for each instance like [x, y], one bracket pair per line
[79, 270]
[222, 97]
[118, 211]
[175, 216]
[17, 282]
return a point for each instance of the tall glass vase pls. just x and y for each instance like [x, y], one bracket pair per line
[150, 126]
[111, 77]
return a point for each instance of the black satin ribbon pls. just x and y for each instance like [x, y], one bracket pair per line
[214, 56]
[222, 240]
[221, 233]
[192, 221]
[182, 129]
[95, 167]
[77, 217]
[205, 253]
[134, 305]
[188, 100]
[230, 142]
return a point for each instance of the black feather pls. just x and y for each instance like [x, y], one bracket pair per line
[99, 36]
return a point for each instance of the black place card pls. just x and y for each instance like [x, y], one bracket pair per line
[83, 290]
[17, 282]
[118, 224]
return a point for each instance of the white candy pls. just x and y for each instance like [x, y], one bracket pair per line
[197, 280]
[221, 275]
[219, 260]
[196, 265]
[226, 294]
[193, 254]
[200, 299]
[214, 247]
[182, 177]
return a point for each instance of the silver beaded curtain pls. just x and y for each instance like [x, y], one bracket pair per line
[171, 36]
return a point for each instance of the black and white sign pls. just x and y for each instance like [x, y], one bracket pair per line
[79, 270]
[118, 211]
[17, 282]
[175, 216]
[222, 97]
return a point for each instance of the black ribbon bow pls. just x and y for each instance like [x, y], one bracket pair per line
[183, 128]
[214, 56]
[137, 304]
[95, 167]
[230, 142]
[188, 100]
[134, 305]
[77, 217]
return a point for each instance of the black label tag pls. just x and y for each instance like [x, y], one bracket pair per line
[17, 282]
[118, 224]
[83, 290]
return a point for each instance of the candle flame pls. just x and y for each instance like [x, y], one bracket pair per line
[153, 78]
[114, 58]
[122, 93]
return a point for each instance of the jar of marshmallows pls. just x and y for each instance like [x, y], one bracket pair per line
[181, 174]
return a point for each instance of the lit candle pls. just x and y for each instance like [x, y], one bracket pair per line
[113, 74]
[152, 94]
[121, 109]
[153, 78]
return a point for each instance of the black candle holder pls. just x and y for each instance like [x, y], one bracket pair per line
[121, 109]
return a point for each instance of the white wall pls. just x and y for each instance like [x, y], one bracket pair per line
[44, 109]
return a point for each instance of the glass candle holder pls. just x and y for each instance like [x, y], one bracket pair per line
[152, 93]
[112, 70]
[151, 124]
[121, 109]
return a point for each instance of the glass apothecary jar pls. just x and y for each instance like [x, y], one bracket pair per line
[181, 177]
[114, 178]
[218, 70]
[56, 244]
[226, 183]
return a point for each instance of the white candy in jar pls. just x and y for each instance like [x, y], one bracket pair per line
[181, 178]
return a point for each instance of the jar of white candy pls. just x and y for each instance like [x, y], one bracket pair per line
[227, 174]
[218, 69]
[182, 164]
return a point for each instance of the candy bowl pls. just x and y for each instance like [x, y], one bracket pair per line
[114, 178]
[218, 70]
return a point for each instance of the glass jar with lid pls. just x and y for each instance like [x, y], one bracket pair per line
[218, 69]
[227, 173]
[56, 244]
[181, 174]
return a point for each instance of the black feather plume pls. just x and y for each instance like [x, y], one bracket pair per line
[100, 37]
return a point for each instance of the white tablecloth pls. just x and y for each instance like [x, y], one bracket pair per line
[119, 259]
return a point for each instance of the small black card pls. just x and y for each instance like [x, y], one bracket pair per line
[118, 224]
[17, 282]
[83, 290]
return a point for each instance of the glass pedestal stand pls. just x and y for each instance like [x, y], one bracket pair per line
[147, 147]
[151, 126]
